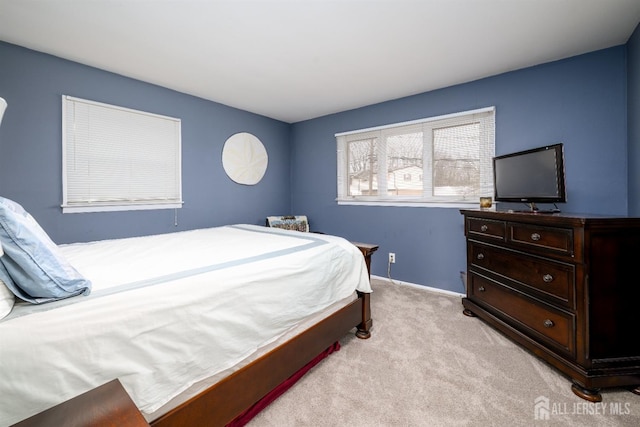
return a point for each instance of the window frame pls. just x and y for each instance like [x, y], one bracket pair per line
[484, 115]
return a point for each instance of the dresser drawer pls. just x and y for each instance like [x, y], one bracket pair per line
[526, 314]
[553, 280]
[480, 227]
[552, 239]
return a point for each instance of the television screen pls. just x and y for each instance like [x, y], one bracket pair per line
[531, 176]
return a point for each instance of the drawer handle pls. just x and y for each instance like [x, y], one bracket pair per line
[484, 228]
[535, 237]
[548, 323]
[547, 278]
[480, 256]
[481, 289]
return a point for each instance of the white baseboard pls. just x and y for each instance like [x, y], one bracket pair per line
[414, 285]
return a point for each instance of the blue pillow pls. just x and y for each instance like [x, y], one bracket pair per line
[38, 270]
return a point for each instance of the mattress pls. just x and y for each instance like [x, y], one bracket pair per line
[170, 311]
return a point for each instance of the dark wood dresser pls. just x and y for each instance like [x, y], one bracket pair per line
[565, 287]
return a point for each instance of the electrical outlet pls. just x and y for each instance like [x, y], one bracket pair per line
[392, 258]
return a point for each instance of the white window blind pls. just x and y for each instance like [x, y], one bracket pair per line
[116, 158]
[444, 159]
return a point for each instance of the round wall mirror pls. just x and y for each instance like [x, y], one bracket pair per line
[244, 158]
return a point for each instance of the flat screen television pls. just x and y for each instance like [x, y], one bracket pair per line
[531, 176]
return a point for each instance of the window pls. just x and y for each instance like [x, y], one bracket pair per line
[445, 159]
[118, 159]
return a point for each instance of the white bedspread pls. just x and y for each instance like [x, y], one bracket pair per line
[169, 310]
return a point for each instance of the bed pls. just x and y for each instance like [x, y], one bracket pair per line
[196, 326]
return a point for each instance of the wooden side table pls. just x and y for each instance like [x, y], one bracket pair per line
[367, 250]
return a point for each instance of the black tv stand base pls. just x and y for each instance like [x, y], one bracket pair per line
[538, 211]
[534, 210]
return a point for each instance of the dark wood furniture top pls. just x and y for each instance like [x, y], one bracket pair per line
[106, 406]
[564, 287]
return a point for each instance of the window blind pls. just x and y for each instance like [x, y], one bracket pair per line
[116, 158]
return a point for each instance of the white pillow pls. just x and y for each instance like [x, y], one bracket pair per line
[6, 300]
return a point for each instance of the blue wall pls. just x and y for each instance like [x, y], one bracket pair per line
[31, 150]
[633, 115]
[580, 101]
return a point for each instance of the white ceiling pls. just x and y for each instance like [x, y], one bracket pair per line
[293, 60]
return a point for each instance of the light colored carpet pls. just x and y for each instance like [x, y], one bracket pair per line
[427, 364]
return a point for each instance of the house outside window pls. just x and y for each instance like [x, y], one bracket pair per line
[438, 160]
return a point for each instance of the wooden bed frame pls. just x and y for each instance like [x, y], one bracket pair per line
[110, 405]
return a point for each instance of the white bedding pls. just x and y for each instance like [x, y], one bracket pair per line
[169, 310]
